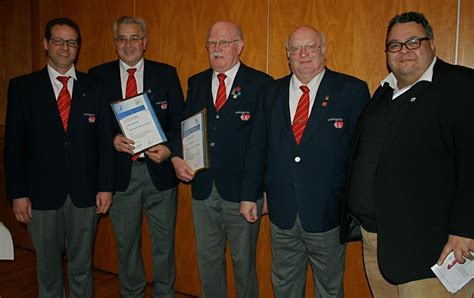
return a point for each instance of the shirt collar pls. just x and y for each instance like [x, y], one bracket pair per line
[391, 80]
[231, 73]
[139, 66]
[313, 85]
[53, 73]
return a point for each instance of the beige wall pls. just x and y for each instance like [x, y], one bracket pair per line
[355, 32]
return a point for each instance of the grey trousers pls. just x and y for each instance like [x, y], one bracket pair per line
[291, 251]
[127, 216]
[68, 229]
[215, 222]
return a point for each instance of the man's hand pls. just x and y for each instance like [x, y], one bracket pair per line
[461, 246]
[182, 169]
[22, 210]
[158, 153]
[103, 202]
[122, 144]
[249, 210]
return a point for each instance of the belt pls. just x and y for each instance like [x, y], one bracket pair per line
[140, 160]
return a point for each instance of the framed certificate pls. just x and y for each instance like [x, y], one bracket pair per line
[138, 122]
[194, 139]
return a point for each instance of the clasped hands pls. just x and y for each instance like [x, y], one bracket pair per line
[157, 153]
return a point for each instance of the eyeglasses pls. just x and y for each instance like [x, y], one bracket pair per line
[57, 41]
[134, 39]
[411, 44]
[221, 43]
[309, 48]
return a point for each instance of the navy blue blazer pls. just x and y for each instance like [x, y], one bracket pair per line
[162, 85]
[228, 131]
[307, 179]
[44, 163]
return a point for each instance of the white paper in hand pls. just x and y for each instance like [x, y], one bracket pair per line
[453, 275]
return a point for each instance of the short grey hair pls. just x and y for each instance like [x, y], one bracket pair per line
[127, 20]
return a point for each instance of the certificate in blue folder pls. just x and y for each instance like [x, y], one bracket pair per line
[138, 122]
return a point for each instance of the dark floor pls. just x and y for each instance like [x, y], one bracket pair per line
[18, 279]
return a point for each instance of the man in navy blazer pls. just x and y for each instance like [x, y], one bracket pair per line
[228, 92]
[304, 132]
[146, 181]
[411, 167]
[58, 161]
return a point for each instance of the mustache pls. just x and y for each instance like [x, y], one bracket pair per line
[217, 55]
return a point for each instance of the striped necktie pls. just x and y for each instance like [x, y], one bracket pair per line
[301, 115]
[64, 101]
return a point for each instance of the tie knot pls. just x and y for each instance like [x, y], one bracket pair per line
[304, 88]
[221, 77]
[131, 71]
[63, 79]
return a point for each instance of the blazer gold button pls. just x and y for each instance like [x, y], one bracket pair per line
[297, 159]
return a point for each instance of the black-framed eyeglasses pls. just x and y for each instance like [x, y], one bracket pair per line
[57, 41]
[309, 48]
[221, 43]
[411, 44]
[134, 39]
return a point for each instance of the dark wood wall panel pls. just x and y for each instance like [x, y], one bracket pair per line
[355, 33]
[15, 53]
[95, 19]
[466, 34]
[15, 45]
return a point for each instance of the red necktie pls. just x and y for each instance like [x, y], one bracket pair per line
[64, 101]
[301, 115]
[131, 89]
[221, 92]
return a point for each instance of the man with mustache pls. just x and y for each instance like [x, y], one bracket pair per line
[228, 90]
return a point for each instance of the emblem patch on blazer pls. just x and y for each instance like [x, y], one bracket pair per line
[338, 122]
[163, 104]
[90, 117]
[244, 115]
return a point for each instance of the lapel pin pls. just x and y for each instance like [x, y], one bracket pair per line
[325, 102]
[412, 99]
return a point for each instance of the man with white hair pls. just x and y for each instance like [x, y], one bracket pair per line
[228, 90]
